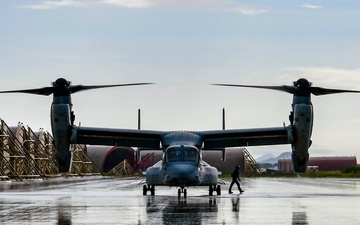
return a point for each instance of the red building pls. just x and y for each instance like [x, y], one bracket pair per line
[329, 163]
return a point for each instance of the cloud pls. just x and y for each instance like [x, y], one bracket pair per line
[45, 5]
[309, 6]
[201, 5]
[250, 11]
[128, 3]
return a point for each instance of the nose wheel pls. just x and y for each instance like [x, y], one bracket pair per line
[182, 191]
[150, 188]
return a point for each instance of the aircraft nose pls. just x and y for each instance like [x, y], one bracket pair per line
[178, 174]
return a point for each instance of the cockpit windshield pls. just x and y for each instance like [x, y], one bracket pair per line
[181, 153]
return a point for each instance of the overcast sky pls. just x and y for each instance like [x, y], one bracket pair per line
[183, 46]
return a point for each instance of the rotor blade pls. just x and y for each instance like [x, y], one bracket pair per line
[37, 91]
[325, 91]
[77, 88]
[288, 89]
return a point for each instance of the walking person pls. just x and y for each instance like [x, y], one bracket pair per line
[235, 180]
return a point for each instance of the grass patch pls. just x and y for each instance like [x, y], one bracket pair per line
[351, 172]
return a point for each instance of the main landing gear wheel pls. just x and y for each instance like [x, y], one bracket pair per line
[150, 188]
[218, 190]
[213, 188]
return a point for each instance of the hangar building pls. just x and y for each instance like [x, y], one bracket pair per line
[106, 157]
[329, 163]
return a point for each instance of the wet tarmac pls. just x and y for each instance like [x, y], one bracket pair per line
[104, 200]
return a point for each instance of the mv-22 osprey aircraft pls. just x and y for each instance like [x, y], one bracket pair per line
[182, 165]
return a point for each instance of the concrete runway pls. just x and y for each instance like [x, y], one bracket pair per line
[104, 200]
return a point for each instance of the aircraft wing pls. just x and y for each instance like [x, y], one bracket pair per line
[216, 139]
[117, 137]
[246, 137]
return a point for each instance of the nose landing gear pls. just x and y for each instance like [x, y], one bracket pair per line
[182, 190]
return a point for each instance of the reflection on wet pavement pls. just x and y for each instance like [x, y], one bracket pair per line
[103, 200]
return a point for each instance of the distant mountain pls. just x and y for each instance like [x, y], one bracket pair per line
[265, 157]
[269, 158]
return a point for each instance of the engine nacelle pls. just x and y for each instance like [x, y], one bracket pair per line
[302, 129]
[61, 129]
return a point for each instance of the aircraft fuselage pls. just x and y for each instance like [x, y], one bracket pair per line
[181, 166]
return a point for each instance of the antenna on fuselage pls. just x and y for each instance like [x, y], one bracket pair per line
[223, 119]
